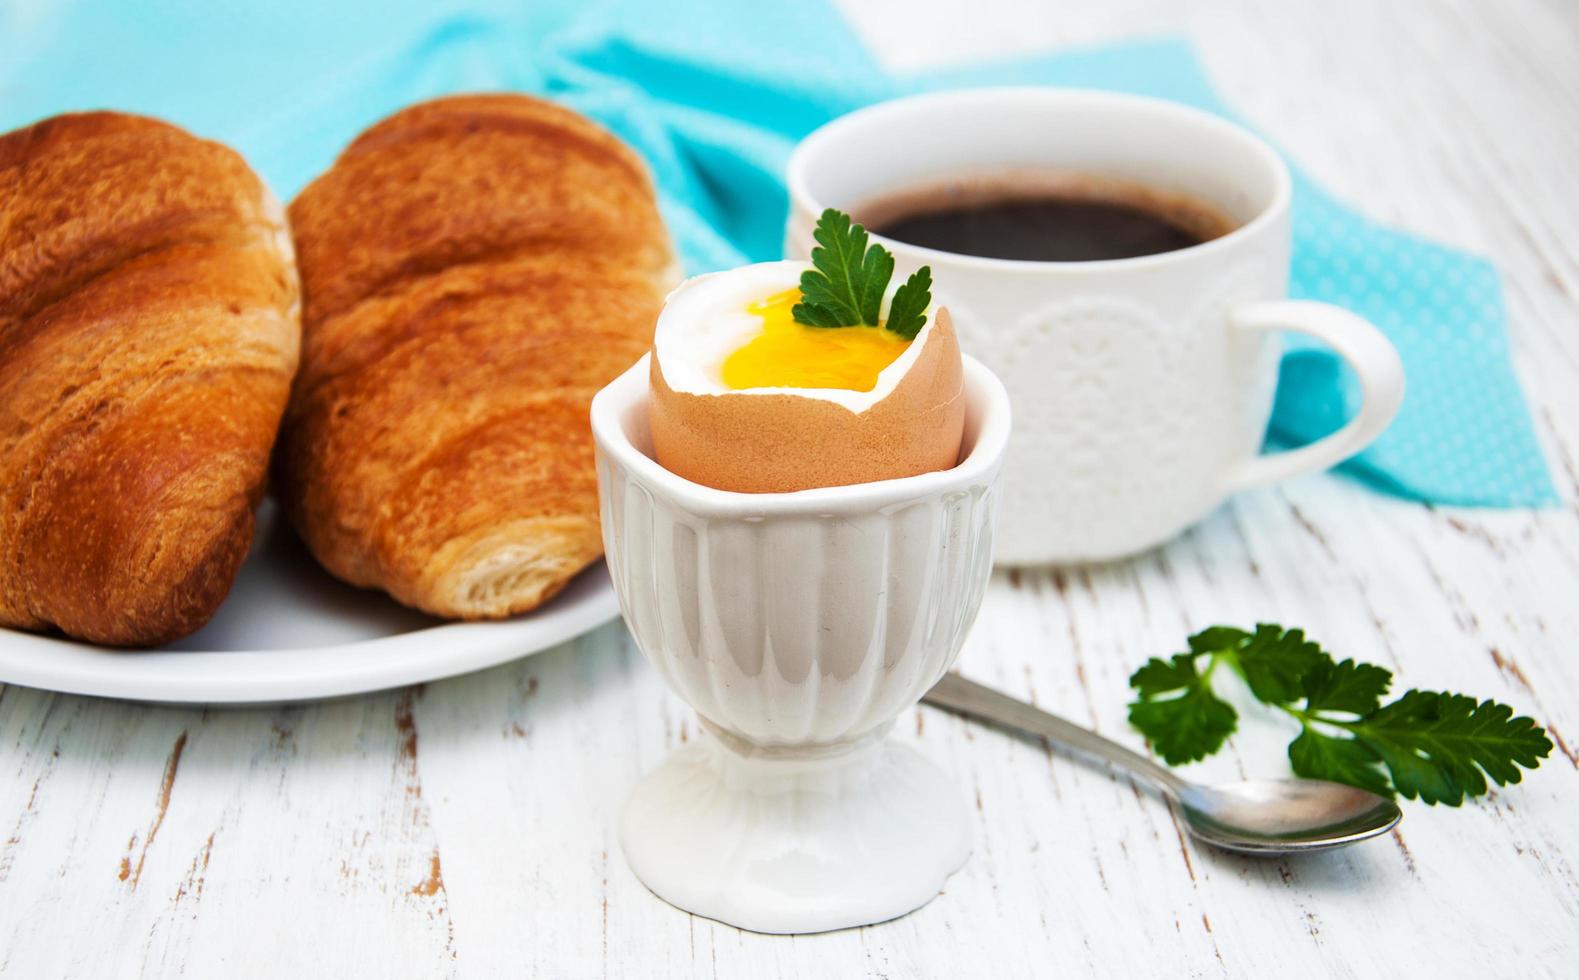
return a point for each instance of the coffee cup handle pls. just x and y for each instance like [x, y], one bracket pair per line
[1369, 353]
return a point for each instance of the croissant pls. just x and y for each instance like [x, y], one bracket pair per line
[473, 270]
[148, 335]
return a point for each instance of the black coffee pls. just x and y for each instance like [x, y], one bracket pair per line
[1069, 220]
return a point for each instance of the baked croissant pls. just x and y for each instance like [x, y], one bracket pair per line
[148, 334]
[473, 270]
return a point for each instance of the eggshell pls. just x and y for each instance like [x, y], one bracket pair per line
[772, 443]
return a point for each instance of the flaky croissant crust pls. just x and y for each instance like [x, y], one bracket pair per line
[474, 269]
[148, 335]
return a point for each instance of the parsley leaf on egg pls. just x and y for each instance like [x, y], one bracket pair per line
[907, 314]
[845, 287]
[1428, 745]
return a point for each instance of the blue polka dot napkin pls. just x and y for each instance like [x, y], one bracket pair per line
[715, 94]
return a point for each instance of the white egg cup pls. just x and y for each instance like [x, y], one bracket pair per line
[799, 626]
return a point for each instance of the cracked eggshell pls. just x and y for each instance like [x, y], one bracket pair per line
[774, 440]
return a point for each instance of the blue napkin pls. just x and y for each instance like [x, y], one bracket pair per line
[715, 95]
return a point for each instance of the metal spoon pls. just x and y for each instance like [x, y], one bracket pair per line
[1260, 816]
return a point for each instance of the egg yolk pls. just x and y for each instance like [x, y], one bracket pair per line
[787, 354]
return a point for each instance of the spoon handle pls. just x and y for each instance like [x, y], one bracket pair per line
[955, 693]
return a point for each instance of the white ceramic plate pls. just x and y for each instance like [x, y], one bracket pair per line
[290, 632]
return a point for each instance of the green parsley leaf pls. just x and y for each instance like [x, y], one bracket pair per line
[907, 314]
[1442, 747]
[1341, 760]
[1189, 726]
[832, 292]
[1161, 676]
[817, 316]
[1274, 662]
[1215, 639]
[849, 277]
[1346, 686]
[1434, 746]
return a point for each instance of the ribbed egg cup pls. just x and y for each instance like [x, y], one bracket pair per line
[799, 626]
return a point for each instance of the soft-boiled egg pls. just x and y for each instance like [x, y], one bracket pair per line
[746, 399]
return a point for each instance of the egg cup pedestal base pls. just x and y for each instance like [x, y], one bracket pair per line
[794, 839]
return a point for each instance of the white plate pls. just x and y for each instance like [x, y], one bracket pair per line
[290, 632]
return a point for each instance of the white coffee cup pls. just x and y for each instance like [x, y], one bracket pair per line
[1141, 387]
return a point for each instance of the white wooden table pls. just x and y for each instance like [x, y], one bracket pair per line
[467, 828]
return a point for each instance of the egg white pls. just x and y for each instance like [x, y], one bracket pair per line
[705, 320]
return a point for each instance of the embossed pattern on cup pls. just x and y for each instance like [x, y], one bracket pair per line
[1123, 438]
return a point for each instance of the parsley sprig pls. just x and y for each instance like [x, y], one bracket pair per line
[846, 286]
[1430, 745]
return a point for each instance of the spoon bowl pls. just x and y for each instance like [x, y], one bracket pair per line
[1279, 816]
